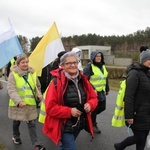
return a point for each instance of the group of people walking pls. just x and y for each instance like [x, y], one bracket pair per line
[74, 96]
[70, 99]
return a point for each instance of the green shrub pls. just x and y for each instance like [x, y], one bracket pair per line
[115, 76]
[114, 84]
[127, 54]
[116, 72]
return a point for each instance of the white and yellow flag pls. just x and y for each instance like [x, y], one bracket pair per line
[46, 50]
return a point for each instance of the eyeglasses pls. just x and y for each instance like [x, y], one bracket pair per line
[71, 63]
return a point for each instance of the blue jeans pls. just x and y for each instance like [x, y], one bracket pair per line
[68, 141]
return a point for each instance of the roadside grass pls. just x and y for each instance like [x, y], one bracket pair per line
[2, 146]
[114, 84]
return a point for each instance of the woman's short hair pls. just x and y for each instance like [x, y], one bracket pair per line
[68, 54]
[20, 58]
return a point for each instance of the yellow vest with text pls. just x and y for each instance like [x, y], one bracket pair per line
[98, 79]
[118, 119]
[23, 89]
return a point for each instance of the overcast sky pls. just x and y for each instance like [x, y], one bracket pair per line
[33, 18]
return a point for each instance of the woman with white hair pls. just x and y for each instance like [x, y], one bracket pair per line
[69, 101]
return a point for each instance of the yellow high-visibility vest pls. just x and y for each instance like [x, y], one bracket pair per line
[12, 61]
[98, 79]
[118, 119]
[42, 113]
[24, 89]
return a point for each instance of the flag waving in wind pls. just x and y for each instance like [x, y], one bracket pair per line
[46, 50]
[9, 47]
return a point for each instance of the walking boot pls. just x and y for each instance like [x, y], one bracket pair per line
[117, 146]
[96, 129]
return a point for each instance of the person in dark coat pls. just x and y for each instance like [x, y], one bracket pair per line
[137, 103]
[46, 77]
[8, 66]
[98, 77]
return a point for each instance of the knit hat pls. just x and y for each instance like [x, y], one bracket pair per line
[143, 48]
[144, 56]
[61, 53]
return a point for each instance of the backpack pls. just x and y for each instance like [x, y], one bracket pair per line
[118, 119]
[46, 77]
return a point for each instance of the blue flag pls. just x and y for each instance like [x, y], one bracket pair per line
[9, 47]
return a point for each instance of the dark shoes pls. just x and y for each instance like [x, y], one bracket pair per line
[39, 147]
[117, 146]
[96, 129]
[16, 140]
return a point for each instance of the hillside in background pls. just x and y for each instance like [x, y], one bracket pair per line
[131, 42]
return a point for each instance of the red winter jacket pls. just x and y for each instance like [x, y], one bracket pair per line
[57, 113]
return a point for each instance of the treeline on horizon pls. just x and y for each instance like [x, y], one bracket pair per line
[130, 42]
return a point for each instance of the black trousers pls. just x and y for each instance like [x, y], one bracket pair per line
[139, 138]
[100, 108]
[32, 130]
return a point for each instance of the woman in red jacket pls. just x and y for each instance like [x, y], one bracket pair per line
[70, 99]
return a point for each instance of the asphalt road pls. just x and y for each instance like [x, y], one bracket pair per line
[103, 141]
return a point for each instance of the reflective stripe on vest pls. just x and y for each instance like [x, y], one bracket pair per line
[42, 113]
[98, 79]
[118, 119]
[24, 90]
